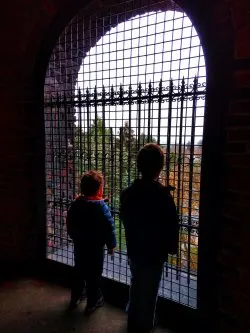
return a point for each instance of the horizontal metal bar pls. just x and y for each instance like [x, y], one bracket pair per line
[117, 100]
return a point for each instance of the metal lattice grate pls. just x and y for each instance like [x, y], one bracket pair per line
[114, 83]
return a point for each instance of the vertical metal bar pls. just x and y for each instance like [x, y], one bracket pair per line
[180, 148]
[72, 165]
[91, 135]
[113, 152]
[53, 177]
[175, 178]
[130, 132]
[59, 158]
[183, 198]
[79, 144]
[149, 110]
[103, 132]
[159, 112]
[121, 186]
[191, 172]
[85, 134]
[96, 129]
[112, 169]
[88, 130]
[121, 95]
[81, 109]
[139, 95]
[168, 153]
[139, 102]
[71, 178]
[67, 44]
[144, 135]
[112, 96]
[66, 153]
[169, 127]
[116, 171]
[55, 148]
[109, 142]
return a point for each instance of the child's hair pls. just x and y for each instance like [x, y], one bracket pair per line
[91, 182]
[150, 160]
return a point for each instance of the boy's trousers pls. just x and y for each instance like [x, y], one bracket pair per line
[145, 280]
[87, 273]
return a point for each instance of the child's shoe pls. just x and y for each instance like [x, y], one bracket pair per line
[91, 308]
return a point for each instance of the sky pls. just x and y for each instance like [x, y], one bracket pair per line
[150, 47]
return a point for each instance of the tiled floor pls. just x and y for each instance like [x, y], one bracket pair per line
[32, 306]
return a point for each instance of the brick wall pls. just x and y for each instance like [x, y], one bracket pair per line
[233, 259]
[28, 32]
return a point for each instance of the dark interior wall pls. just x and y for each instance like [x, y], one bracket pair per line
[28, 33]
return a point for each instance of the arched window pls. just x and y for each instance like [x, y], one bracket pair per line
[116, 80]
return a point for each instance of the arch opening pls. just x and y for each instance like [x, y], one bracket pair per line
[142, 79]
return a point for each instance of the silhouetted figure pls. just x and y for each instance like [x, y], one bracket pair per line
[91, 226]
[150, 220]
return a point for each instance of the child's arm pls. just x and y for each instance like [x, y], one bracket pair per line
[109, 229]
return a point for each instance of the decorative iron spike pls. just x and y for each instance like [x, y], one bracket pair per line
[150, 87]
[103, 96]
[195, 83]
[160, 91]
[139, 88]
[112, 95]
[121, 95]
[130, 91]
[64, 97]
[171, 85]
[183, 85]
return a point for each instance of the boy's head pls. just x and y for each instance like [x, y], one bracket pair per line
[150, 160]
[92, 183]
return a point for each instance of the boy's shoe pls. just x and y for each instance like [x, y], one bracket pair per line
[75, 301]
[83, 295]
[91, 308]
[126, 308]
[73, 304]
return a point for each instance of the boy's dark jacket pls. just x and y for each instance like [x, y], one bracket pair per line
[150, 220]
[90, 224]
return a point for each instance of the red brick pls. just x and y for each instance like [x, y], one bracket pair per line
[236, 147]
[237, 160]
[239, 120]
[240, 15]
[242, 135]
[242, 77]
[236, 210]
[243, 44]
[239, 107]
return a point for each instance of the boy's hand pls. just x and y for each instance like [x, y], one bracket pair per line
[111, 252]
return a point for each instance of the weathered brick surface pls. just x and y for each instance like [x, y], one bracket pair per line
[224, 25]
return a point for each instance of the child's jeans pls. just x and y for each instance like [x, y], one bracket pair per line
[87, 272]
[145, 280]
